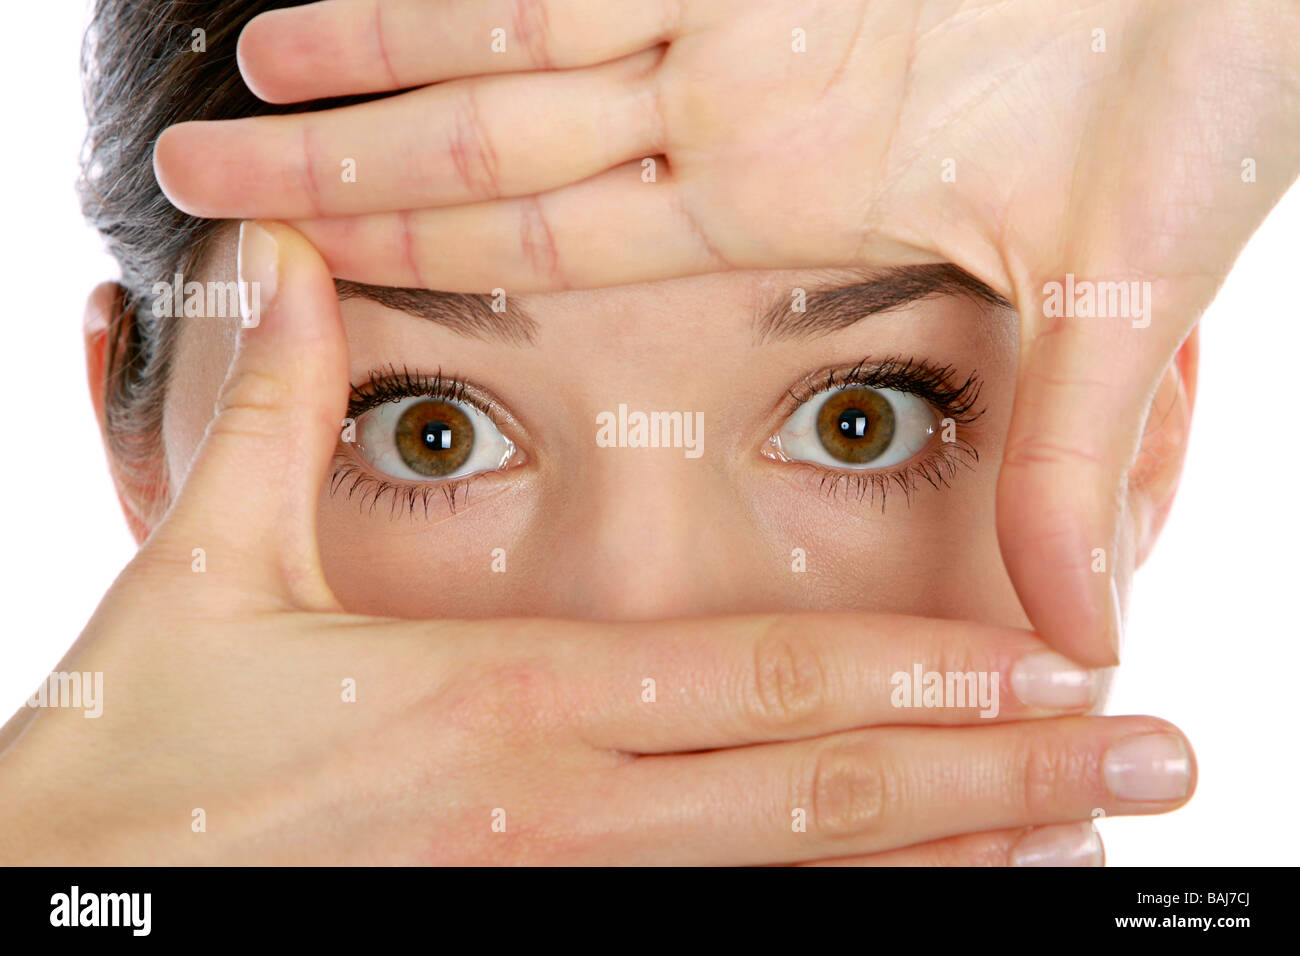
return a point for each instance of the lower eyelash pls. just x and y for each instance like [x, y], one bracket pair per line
[936, 470]
[351, 480]
[951, 397]
[392, 384]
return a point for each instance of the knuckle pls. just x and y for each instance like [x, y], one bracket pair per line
[252, 390]
[250, 402]
[981, 850]
[385, 47]
[537, 242]
[532, 27]
[472, 153]
[847, 791]
[509, 702]
[1048, 771]
[787, 687]
[410, 249]
[992, 850]
[960, 658]
[1036, 451]
[310, 178]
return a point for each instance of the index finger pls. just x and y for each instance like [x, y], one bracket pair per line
[345, 47]
[705, 683]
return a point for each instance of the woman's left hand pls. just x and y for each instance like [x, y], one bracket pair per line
[554, 144]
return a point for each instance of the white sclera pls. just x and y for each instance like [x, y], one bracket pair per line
[914, 423]
[376, 440]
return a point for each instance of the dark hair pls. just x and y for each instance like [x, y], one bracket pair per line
[141, 74]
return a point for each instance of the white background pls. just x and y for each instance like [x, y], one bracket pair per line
[1212, 639]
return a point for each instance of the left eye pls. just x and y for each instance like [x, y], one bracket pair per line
[421, 438]
[857, 428]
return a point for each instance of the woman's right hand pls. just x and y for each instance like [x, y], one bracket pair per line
[247, 719]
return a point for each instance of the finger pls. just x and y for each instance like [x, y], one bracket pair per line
[613, 229]
[1083, 392]
[1066, 844]
[875, 790]
[251, 496]
[705, 683]
[346, 47]
[454, 143]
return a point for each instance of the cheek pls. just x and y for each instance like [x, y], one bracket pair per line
[381, 558]
[791, 551]
[936, 557]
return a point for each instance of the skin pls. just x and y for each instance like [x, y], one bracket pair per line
[252, 492]
[779, 711]
[634, 534]
[630, 534]
[1122, 163]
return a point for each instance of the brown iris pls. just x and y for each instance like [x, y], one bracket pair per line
[434, 438]
[855, 425]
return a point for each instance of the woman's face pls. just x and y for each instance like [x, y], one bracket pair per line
[864, 505]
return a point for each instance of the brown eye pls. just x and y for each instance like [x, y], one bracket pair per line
[428, 438]
[855, 425]
[433, 438]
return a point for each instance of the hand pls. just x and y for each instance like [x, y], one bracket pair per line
[224, 692]
[1010, 138]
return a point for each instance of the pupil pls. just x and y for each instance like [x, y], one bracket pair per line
[437, 436]
[853, 423]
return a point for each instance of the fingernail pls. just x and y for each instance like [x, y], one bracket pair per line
[1116, 619]
[1053, 682]
[1076, 844]
[1146, 768]
[259, 271]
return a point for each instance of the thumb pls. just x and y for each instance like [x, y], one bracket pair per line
[1083, 392]
[251, 497]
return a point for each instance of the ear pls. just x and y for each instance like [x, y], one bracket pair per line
[103, 319]
[1153, 479]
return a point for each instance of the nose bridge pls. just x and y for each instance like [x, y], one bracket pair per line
[649, 532]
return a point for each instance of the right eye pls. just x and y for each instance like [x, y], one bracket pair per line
[422, 439]
[857, 428]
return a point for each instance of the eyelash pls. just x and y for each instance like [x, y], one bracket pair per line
[935, 384]
[392, 385]
[938, 386]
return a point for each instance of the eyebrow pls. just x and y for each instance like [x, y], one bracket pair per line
[463, 313]
[828, 310]
[825, 310]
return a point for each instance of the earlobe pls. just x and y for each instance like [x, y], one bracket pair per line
[1153, 479]
[102, 319]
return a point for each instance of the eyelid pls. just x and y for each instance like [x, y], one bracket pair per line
[953, 394]
[937, 384]
[391, 384]
[913, 423]
[355, 477]
[940, 386]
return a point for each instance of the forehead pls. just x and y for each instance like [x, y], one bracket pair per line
[684, 310]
